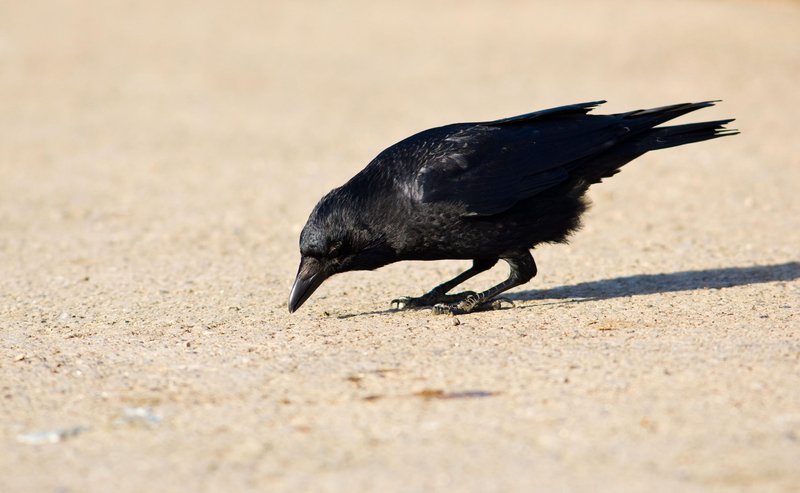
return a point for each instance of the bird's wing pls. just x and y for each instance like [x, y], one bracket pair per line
[571, 109]
[490, 166]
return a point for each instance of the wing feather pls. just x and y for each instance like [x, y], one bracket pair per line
[489, 167]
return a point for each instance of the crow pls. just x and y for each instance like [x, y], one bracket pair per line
[480, 191]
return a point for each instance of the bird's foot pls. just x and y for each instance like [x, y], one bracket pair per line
[430, 299]
[471, 304]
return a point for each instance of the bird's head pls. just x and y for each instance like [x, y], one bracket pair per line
[335, 240]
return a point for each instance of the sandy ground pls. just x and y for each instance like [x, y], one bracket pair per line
[158, 159]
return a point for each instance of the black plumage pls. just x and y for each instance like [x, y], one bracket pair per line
[480, 191]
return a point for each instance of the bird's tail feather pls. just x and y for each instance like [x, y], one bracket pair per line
[655, 116]
[608, 164]
[675, 135]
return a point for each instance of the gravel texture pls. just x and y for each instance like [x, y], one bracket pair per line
[159, 158]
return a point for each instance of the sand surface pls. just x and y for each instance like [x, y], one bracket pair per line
[158, 160]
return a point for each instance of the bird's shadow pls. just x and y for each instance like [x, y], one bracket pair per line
[643, 284]
[621, 287]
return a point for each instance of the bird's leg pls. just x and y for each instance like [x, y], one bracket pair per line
[439, 293]
[523, 268]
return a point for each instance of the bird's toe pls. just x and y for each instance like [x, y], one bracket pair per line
[471, 304]
[462, 307]
[497, 303]
[401, 303]
[447, 309]
[409, 303]
[432, 299]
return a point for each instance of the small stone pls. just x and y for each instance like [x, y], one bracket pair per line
[456, 321]
[54, 436]
[139, 416]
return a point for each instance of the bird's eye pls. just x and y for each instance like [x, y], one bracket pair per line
[335, 249]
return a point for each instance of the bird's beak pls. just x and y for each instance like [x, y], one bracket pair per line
[309, 276]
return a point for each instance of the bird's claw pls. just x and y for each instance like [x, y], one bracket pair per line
[497, 303]
[402, 303]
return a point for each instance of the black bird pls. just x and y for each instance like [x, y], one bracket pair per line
[480, 191]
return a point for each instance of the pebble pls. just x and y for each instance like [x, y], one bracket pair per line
[51, 436]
